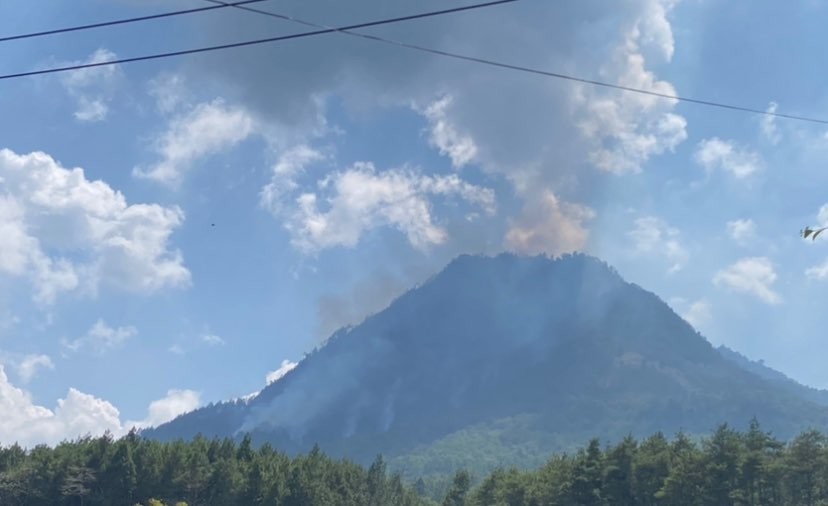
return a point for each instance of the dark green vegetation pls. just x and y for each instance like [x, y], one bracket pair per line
[726, 468]
[216, 472]
[504, 361]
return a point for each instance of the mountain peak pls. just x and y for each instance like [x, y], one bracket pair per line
[554, 348]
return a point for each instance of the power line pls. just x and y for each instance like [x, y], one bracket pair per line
[232, 45]
[127, 20]
[529, 70]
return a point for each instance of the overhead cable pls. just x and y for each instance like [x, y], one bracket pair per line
[102, 24]
[170, 54]
[530, 70]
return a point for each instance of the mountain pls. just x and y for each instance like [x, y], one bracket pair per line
[501, 361]
[759, 368]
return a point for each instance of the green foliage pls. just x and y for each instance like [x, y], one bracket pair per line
[136, 471]
[728, 468]
[459, 490]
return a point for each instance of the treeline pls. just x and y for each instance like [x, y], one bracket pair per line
[133, 470]
[728, 468]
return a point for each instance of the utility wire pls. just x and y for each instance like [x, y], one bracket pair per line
[127, 20]
[529, 70]
[79, 66]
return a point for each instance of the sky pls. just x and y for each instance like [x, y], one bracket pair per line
[182, 231]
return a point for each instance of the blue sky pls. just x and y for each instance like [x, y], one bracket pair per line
[177, 231]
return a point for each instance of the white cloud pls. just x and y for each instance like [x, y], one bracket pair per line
[176, 402]
[169, 91]
[444, 135]
[291, 164]
[77, 414]
[768, 125]
[360, 199]
[101, 338]
[754, 275]
[627, 129]
[92, 88]
[818, 272]
[65, 232]
[91, 109]
[698, 313]
[510, 124]
[17, 246]
[741, 231]
[652, 235]
[822, 216]
[28, 366]
[212, 339]
[276, 375]
[176, 349]
[547, 225]
[717, 154]
[205, 130]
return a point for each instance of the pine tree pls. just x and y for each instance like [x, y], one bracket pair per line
[460, 486]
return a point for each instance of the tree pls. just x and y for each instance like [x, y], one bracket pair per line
[587, 481]
[805, 468]
[651, 467]
[14, 488]
[760, 450]
[377, 491]
[121, 476]
[460, 486]
[618, 473]
[77, 483]
[721, 467]
[684, 485]
[223, 485]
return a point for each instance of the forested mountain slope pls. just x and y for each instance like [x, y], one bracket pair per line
[500, 361]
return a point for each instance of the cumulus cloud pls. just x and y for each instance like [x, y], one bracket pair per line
[741, 231]
[651, 235]
[206, 129]
[628, 129]
[175, 403]
[29, 365]
[717, 154]
[361, 198]
[818, 272]
[550, 226]
[754, 276]
[697, 313]
[283, 369]
[75, 415]
[92, 88]
[291, 164]
[64, 232]
[101, 338]
[28, 424]
[443, 135]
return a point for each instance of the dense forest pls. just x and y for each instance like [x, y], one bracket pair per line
[727, 468]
